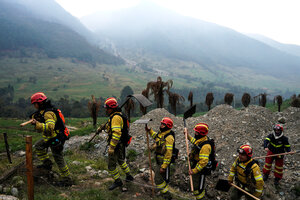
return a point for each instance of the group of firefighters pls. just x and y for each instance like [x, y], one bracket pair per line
[244, 170]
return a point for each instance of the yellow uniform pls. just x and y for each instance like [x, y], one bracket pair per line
[163, 152]
[253, 181]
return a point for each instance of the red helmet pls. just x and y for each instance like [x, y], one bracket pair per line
[245, 149]
[201, 128]
[167, 121]
[278, 127]
[38, 97]
[111, 103]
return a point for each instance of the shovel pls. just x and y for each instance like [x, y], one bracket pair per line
[186, 115]
[224, 185]
[139, 97]
[145, 121]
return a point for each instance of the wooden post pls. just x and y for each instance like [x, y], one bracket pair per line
[7, 147]
[149, 155]
[29, 167]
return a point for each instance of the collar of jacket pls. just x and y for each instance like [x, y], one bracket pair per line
[245, 163]
[162, 134]
[201, 140]
[114, 113]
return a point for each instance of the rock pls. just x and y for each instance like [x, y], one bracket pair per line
[75, 162]
[20, 183]
[1, 188]
[97, 183]
[88, 168]
[281, 120]
[6, 190]
[7, 197]
[14, 191]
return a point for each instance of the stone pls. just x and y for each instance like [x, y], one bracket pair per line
[14, 191]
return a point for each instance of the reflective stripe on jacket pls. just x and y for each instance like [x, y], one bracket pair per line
[164, 148]
[255, 177]
[115, 131]
[203, 156]
[47, 127]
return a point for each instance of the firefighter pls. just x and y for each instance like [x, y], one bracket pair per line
[116, 127]
[246, 173]
[163, 147]
[199, 158]
[275, 143]
[45, 121]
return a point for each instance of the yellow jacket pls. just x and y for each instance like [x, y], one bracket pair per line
[164, 146]
[203, 156]
[254, 179]
[115, 131]
[47, 128]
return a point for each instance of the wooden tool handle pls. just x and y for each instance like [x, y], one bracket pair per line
[150, 166]
[237, 187]
[25, 123]
[187, 151]
[280, 154]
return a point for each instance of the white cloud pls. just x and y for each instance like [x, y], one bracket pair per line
[277, 19]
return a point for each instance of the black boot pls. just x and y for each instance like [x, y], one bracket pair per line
[117, 183]
[276, 181]
[64, 182]
[47, 164]
[167, 196]
[266, 176]
[129, 178]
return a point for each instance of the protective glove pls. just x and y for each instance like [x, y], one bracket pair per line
[111, 151]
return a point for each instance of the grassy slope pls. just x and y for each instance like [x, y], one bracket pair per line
[59, 77]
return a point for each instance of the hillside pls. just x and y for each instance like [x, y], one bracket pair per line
[23, 33]
[288, 48]
[158, 39]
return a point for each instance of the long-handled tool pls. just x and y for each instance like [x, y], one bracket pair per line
[280, 154]
[25, 123]
[186, 115]
[224, 185]
[145, 121]
[139, 97]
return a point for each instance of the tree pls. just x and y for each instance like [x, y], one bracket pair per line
[262, 99]
[94, 107]
[246, 99]
[127, 90]
[228, 98]
[278, 99]
[129, 106]
[157, 89]
[142, 108]
[190, 98]
[209, 100]
[174, 99]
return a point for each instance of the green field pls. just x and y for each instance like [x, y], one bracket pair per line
[62, 77]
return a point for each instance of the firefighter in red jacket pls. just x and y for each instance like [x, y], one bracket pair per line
[275, 143]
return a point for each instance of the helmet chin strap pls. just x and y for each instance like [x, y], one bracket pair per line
[276, 137]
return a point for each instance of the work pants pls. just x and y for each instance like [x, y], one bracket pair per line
[118, 157]
[278, 171]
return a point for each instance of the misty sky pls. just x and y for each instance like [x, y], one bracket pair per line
[276, 19]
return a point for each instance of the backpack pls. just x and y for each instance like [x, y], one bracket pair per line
[248, 167]
[60, 125]
[175, 151]
[212, 163]
[125, 137]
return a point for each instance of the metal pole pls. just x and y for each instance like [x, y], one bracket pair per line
[30, 185]
[7, 147]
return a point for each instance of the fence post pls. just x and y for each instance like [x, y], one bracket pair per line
[7, 147]
[29, 167]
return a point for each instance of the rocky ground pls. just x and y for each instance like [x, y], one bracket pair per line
[230, 128]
